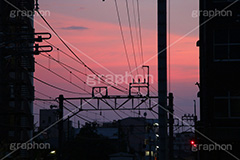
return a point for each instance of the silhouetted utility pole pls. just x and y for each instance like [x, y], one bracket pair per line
[60, 127]
[162, 78]
[150, 147]
[195, 114]
[68, 128]
[171, 122]
[195, 122]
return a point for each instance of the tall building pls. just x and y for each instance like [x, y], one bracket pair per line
[16, 68]
[219, 78]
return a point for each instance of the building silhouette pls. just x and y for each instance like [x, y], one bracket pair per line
[219, 81]
[49, 117]
[16, 70]
[138, 133]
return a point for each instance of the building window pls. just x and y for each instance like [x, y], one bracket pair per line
[226, 45]
[227, 106]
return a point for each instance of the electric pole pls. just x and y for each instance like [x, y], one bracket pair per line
[162, 78]
[195, 114]
[171, 122]
[60, 127]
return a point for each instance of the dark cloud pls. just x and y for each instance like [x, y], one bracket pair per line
[74, 28]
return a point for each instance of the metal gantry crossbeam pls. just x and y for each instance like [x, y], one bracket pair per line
[117, 103]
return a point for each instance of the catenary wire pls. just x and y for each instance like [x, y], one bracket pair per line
[136, 30]
[55, 87]
[95, 72]
[122, 35]
[61, 77]
[131, 35]
[140, 30]
[65, 66]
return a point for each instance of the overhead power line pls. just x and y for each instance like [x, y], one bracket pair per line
[58, 88]
[76, 114]
[43, 94]
[62, 77]
[140, 30]
[122, 35]
[65, 66]
[75, 54]
[61, 63]
[103, 81]
[137, 32]
[131, 35]
[50, 85]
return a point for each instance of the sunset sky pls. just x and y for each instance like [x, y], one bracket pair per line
[91, 29]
